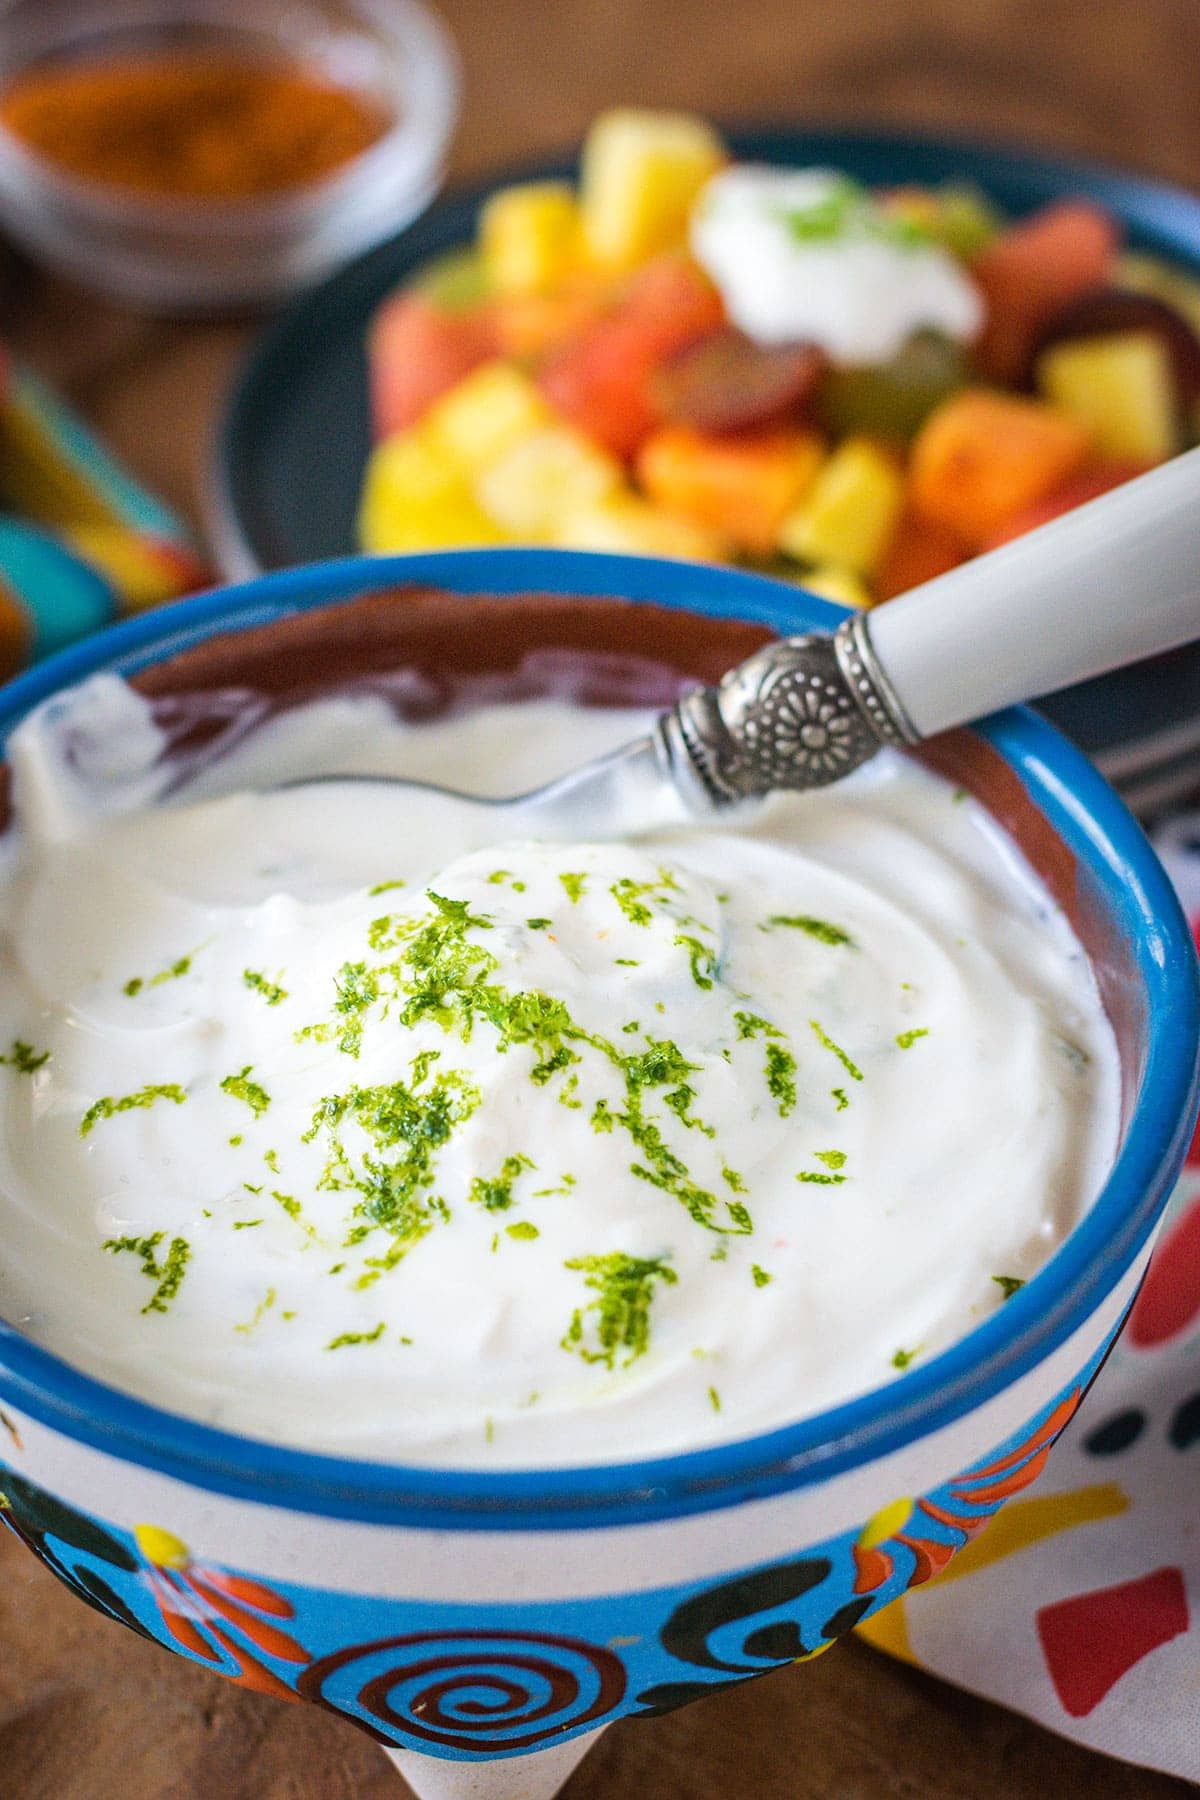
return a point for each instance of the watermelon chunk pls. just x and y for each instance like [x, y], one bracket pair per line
[603, 380]
[1031, 272]
[416, 352]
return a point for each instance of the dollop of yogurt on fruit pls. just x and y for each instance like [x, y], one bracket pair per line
[328, 1121]
[807, 255]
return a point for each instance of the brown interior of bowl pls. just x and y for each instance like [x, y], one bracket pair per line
[606, 652]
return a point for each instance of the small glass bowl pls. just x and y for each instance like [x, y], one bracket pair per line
[201, 256]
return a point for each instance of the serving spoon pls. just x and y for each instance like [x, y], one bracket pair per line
[1110, 583]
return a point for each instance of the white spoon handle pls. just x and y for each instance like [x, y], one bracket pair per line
[1114, 581]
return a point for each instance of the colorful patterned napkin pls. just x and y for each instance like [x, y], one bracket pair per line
[80, 542]
[1082, 1600]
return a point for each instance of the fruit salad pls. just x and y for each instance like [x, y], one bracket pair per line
[681, 355]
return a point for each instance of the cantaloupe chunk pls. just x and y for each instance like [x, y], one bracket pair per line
[1088, 484]
[485, 415]
[640, 173]
[1120, 389]
[920, 550]
[544, 477]
[529, 236]
[414, 498]
[850, 511]
[629, 526]
[982, 456]
[742, 485]
[531, 326]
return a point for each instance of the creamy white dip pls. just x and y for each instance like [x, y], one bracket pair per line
[804, 255]
[323, 1124]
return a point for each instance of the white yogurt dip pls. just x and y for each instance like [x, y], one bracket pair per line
[324, 1124]
[807, 256]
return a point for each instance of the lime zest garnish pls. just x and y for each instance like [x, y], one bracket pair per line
[823, 1038]
[624, 1289]
[167, 1275]
[107, 1108]
[821, 929]
[240, 1087]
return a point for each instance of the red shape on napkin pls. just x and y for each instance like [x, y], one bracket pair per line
[1091, 1640]
[1170, 1298]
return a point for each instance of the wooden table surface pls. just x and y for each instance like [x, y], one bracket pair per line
[87, 1711]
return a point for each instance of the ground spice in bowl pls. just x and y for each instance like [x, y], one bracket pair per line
[194, 126]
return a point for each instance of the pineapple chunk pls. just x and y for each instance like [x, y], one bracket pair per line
[842, 585]
[629, 526]
[542, 478]
[850, 512]
[1120, 389]
[529, 236]
[415, 499]
[485, 415]
[640, 173]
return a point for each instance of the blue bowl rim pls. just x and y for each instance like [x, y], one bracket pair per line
[1082, 809]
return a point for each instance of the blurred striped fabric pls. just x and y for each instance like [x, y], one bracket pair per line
[81, 543]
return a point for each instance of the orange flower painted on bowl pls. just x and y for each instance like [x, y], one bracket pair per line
[201, 1606]
[989, 1486]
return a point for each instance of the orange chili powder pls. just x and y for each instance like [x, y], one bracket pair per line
[192, 125]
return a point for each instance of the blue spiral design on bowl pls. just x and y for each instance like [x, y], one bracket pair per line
[497, 1692]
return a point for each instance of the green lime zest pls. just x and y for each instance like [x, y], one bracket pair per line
[260, 1312]
[495, 1195]
[701, 959]
[907, 1039]
[848, 210]
[826, 1042]
[632, 896]
[1009, 1285]
[752, 1025]
[167, 1275]
[781, 1078]
[406, 1125]
[173, 972]
[270, 991]
[107, 1108]
[356, 1337]
[240, 1087]
[624, 1289]
[821, 929]
[24, 1058]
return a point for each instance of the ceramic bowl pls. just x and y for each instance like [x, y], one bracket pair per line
[480, 1615]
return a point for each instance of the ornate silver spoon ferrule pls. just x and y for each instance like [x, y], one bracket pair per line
[800, 713]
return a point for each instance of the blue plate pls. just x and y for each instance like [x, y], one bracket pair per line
[296, 434]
